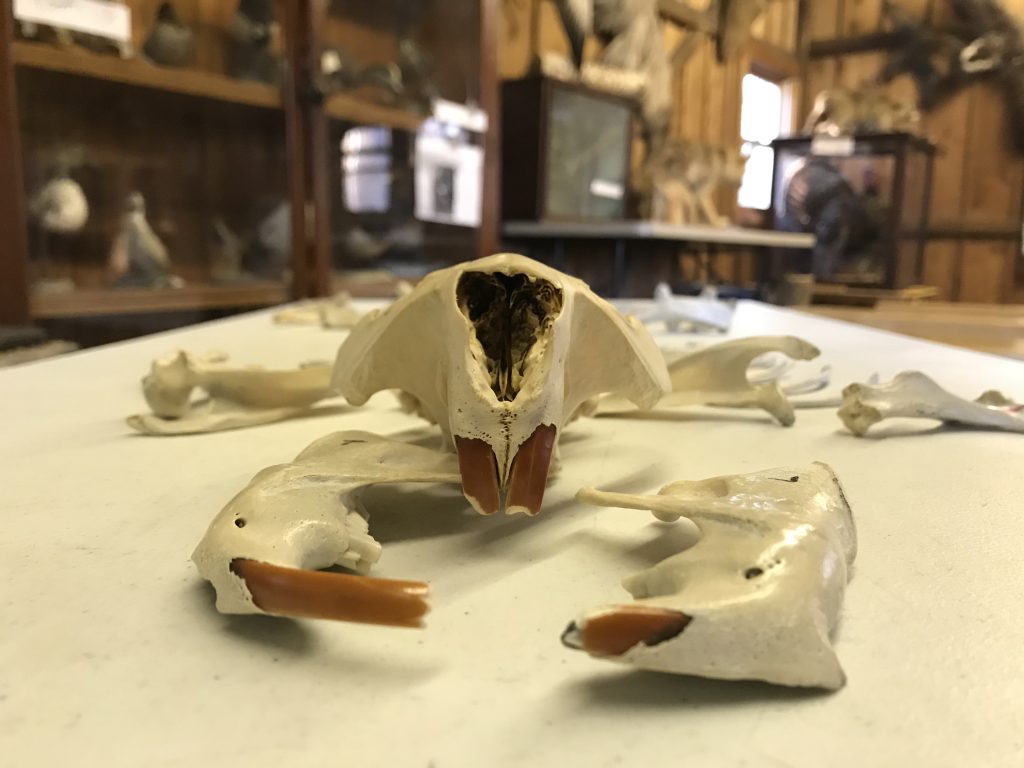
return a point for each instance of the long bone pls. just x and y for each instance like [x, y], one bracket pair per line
[263, 552]
[755, 598]
[914, 395]
[237, 396]
[717, 375]
[500, 352]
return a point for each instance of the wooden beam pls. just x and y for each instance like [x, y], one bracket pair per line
[685, 15]
[490, 100]
[14, 309]
[844, 46]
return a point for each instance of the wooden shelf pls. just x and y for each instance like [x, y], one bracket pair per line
[191, 82]
[343, 106]
[128, 301]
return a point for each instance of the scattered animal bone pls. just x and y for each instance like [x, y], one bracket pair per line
[681, 178]
[138, 258]
[718, 375]
[334, 312]
[758, 595]
[171, 42]
[500, 353]
[236, 396]
[914, 395]
[848, 111]
[262, 552]
[703, 312]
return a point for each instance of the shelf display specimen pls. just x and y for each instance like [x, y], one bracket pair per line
[232, 158]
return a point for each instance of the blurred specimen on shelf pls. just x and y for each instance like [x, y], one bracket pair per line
[251, 31]
[226, 251]
[171, 43]
[270, 250]
[60, 204]
[138, 258]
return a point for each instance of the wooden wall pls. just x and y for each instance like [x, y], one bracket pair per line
[978, 180]
[706, 100]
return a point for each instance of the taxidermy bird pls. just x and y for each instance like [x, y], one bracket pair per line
[270, 251]
[930, 56]
[632, 35]
[251, 31]
[225, 254]
[60, 205]
[819, 199]
[735, 18]
[170, 42]
[361, 245]
[417, 67]
[138, 257]
[996, 49]
[339, 71]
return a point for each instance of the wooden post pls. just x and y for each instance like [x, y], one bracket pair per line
[490, 97]
[14, 306]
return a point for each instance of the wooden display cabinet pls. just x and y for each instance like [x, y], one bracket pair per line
[364, 138]
[201, 145]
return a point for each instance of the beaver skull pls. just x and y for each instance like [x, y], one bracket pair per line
[500, 353]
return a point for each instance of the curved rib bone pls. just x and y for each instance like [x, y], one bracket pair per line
[717, 375]
[262, 553]
[914, 395]
[755, 598]
[237, 396]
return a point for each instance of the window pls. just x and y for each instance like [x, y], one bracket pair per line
[763, 111]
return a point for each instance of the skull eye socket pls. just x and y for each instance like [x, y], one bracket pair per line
[509, 315]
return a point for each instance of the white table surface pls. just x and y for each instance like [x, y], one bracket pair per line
[112, 654]
[639, 229]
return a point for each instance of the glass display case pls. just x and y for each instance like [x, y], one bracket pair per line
[215, 157]
[155, 168]
[865, 198]
[406, 90]
[571, 154]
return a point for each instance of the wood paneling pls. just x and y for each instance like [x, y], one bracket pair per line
[986, 272]
[941, 267]
[978, 180]
[706, 95]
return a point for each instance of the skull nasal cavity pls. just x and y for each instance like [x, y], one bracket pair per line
[509, 314]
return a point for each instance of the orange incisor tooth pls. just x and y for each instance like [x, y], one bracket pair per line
[613, 632]
[530, 471]
[479, 469]
[302, 593]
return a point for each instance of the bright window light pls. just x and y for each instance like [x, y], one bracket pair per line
[761, 117]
